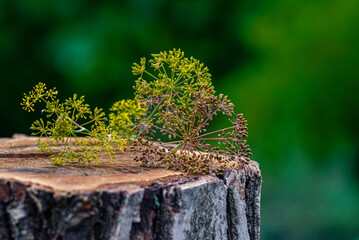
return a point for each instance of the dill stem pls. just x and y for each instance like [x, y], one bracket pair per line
[154, 110]
[220, 130]
[88, 122]
[177, 141]
[213, 139]
[163, 67]
[151, 75]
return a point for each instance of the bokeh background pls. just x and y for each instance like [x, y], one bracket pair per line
[291, 66]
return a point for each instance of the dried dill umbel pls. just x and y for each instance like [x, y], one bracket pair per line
[181, 103]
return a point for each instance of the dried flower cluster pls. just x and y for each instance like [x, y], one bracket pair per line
[72, 123]
[174, 100]
[181, 102]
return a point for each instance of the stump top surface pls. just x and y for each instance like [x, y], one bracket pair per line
[21, 160]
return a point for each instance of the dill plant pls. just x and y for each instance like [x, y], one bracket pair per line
[174, 98]
[181, 102]
[82, 131]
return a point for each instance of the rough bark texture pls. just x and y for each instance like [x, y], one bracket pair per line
[38, 201]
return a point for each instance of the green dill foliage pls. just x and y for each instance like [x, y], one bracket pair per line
[123, 115]
[181, 102]
[82, 131]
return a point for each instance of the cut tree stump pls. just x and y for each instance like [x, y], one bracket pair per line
[121, 200]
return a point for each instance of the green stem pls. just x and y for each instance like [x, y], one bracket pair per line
[151, 75]
[220, 130]
[178, 78]
[78, 125]
[178, 141]
[154, 110]
[88, 122]
[164, 70]
[65, 145]
[213, 139]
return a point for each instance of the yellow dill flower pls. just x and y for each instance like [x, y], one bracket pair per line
[27, 103]
[124, 114]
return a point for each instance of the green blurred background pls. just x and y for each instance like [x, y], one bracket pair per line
[292, 68]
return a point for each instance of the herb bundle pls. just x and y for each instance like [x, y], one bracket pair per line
[174, 99]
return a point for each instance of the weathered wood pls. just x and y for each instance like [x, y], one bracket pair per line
[121, 200]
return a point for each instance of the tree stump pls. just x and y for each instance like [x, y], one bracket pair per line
[121, 200]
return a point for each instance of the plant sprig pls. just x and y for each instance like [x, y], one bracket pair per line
[174, 99]
[82, 132]
[181, 102]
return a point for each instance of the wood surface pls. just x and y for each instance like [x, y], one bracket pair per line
[121, 200]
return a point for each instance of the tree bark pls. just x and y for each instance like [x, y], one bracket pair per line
[121, 200]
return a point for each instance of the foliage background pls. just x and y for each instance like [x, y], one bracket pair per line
[290, 66]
